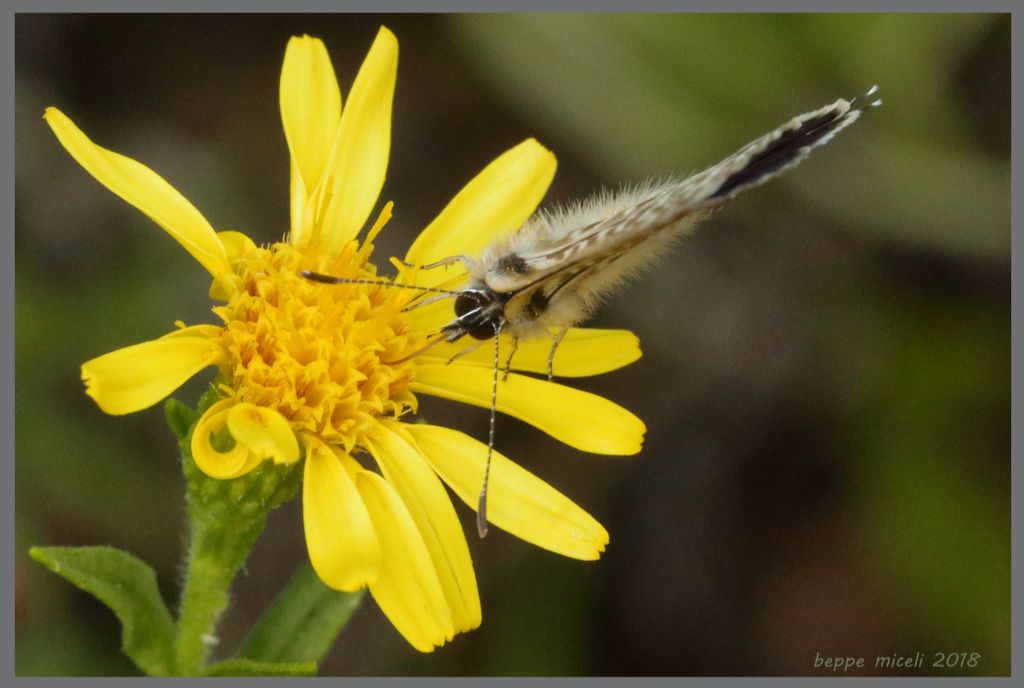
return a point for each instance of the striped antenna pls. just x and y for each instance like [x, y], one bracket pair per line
[330, 279]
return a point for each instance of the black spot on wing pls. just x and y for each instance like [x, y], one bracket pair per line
[537, 304]
[781, 152]
[513, 262]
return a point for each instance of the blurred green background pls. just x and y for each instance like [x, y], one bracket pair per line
[826, 363]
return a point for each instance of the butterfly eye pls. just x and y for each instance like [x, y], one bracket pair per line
[469, 301]
[478, 313]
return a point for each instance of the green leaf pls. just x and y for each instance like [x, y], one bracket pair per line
[302, 623]
[249, 667]
[180, 418]
[128, 586]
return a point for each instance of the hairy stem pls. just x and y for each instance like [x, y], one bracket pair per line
[218, 547]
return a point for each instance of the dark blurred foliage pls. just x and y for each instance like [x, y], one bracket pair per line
[827, 362]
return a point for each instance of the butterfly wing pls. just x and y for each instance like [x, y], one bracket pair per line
[562, 298]
[676, 206]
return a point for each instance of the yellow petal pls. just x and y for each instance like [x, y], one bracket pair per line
[359, 159]
[431, 509]
[342, 543]
[310, 106]
[146, 190]
[517, 501]
[301, 207]
[585, 421]
[264, 431]
[203, 331]
[582, 352]
[222, 465]
[138, 376]
[493, 204]
[407, 589]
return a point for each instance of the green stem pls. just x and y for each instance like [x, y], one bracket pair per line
[218, 548]
[225, 519]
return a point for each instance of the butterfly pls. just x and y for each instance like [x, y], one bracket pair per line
[551, 273]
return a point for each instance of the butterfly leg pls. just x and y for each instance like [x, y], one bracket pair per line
[468, 349]
[427, 347]
[508, 359]
[551, 355]
[426, 302]
[444, 262]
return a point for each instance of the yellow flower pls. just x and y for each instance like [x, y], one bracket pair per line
[305, 370]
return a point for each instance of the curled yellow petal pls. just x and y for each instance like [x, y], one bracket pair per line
[586, 421]
[583, 352]
[146, 190]
[355, 171]
[407, 589]
[223, 465]
[138, 376]
[496, 202]
[428, 503]
[237, 246]
[264, 431]
[340, 537]
[517, 501]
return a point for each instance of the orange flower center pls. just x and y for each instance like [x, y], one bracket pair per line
[319, 354]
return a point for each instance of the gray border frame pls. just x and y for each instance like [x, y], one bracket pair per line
[7, 381]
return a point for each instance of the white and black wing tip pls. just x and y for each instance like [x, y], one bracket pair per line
[865, 101]
[788, 145]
